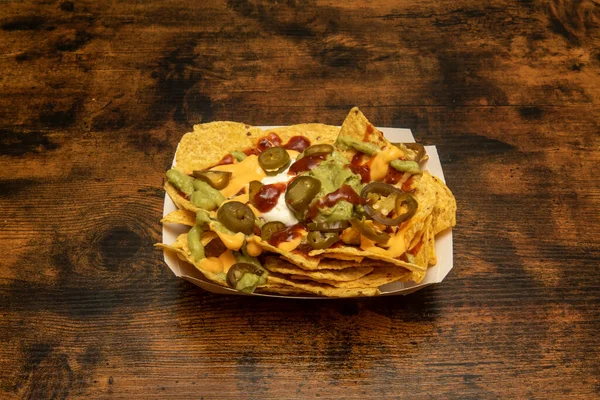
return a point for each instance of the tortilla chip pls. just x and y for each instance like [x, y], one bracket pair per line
[342, 257]
[430, 247]
[184, 217]
[294, 257]
[445, 206]
[283, 290]
[209, 143]
[358, 127]
[421, 240]
[322, 289]
[316, 133]
[350, 273]
[181, 249]
[180, 201]
[176, 246]
[361, 253]
[378, 277]
[425, 195]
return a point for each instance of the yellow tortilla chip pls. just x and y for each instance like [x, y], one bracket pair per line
[322, 289]
[378, 277]
[430, 247]
[294, 257]
[335, 264]
[209, 143]
[366, 254]
[358, 127]
[445, 207]
[182, 216]
[283, 290]
[181, 249]
[180, 201]
[350, 273]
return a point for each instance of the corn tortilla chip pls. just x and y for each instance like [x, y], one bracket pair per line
[358, 127]
[379, 276]
[350, 273]
[361, 253]
[209, 143]
[183, 216]
[294, 257]
[322, 289]
[180, 201]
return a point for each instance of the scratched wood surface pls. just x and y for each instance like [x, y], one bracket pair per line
[94, 97]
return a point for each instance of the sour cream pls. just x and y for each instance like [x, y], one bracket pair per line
[280, 212]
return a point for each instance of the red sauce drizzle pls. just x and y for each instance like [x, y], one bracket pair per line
[417, 247]
[368, 133]
[271, 140]
[392, 177]
[286, 235]
[298, 143]
[266, 198]
[406, 185]
[343, 193]
[251, 151]
[228, 159]
[358, 168]
[306, 164]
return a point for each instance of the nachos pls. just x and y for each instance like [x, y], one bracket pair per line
[305, 209]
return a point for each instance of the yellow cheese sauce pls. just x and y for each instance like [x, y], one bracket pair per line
[291, 245]
[381, 162]
[218, 264]
[395, 246]
[253, 249]
[242, 173]
[232, 242]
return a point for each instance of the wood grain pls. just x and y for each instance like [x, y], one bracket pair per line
[94, 97]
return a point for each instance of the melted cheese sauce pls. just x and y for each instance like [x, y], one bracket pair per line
[242, 173]
[294, 243]
[232, 242]
[242, 198]
[253, 249]
[381, 162]
[395, 246]
[218, 264]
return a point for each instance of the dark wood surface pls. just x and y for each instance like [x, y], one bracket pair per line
[94, 97]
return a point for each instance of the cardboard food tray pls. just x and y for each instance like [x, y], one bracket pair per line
[435, 274]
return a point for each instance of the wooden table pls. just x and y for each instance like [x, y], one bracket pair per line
[94, 97]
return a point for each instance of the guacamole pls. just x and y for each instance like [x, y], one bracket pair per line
[333, 172]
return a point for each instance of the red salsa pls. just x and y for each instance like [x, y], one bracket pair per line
[368, 132]
[271, 140]
[416, 249]
[393, 176]
[298, 143]
[266, 197]
[228, 159]
[357, 167]
[286, 235]
[306, 164]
